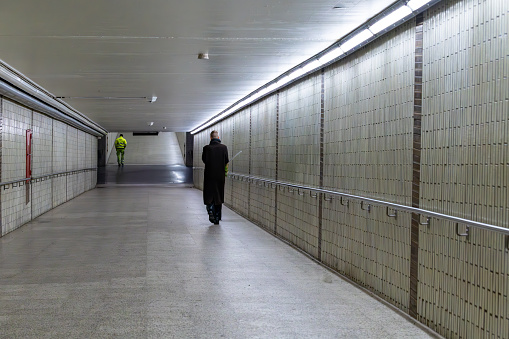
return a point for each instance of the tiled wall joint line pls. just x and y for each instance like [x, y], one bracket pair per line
[277, 162]
[414, 234]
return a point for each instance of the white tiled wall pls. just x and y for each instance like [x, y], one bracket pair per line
[16, 120]
[263, 161]
[15, 209]
[241, 142]
[82, 160]
[72, 161]
[299, 162]
[55, 149]
[42, 195]
[91, 155]
[59, 162]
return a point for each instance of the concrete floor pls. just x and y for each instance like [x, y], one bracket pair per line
[144, 262]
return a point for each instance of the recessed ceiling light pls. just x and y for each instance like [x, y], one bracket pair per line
[203, 56]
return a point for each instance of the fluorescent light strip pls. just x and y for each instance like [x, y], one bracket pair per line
[331, 55]
[390, 19]
[416, 4]
[380, 25]
[356, 40]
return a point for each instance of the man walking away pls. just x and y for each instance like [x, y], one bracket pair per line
[215, 158]
[120, 145]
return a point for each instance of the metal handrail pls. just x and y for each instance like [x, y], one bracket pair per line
[397, 207]
[46, 176]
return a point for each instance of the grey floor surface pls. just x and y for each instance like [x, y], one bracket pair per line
[144, 262]
[161, 175]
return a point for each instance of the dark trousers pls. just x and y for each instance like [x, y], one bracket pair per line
[214, 212]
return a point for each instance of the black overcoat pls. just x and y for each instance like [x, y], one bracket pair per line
[215, 158]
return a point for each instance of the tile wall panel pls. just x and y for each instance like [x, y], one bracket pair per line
[368, 120]
[80, 178]
[225, 129]
[59, 162]
[42, 145]
[241, 142]
[59, 147]
[92, 145]
[82, 160]
[299, 162]
[42, 197]
[200, 140]
[299, 132]
[42, 150]
[15, 209]
[297, 219]
[263, 161]
[72, 162]
[59, 188]
[368, 152]
[463, 287]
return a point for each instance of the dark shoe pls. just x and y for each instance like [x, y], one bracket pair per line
[217, 211]
[210, 213]
[216, 222]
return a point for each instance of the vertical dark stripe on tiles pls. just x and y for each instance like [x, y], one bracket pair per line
[322, 122]
[233, 149]
[414, 237]
[1, 157]
[277, 162]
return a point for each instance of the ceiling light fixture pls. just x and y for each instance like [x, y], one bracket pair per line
[331, 55]
[390, 19]
[203, 56]
[416, 4]
[107, 98]
[356, 40]
[151, 99]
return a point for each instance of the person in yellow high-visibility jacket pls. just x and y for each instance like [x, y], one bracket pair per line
[120, 145]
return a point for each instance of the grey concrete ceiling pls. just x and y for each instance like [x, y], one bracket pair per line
[130, 49]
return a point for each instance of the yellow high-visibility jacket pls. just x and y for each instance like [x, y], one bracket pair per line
[120, 143]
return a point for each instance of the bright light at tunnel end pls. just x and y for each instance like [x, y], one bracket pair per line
[371, 30]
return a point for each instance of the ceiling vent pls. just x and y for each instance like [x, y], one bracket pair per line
[145, 133]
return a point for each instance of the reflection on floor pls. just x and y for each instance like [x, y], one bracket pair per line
[178, 175]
